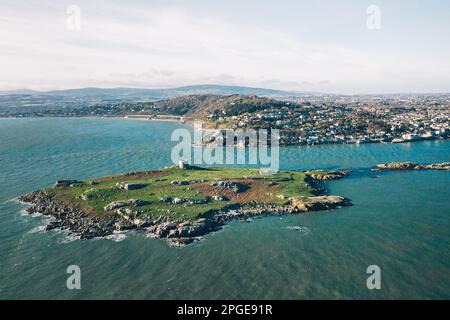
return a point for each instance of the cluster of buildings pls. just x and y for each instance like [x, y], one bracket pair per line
[349, 119]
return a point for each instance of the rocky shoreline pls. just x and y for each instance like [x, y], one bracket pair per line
[412, 166]
[88, 226]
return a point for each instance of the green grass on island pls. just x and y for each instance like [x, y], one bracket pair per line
[93, 195]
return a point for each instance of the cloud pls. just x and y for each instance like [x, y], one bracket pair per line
[157, 46]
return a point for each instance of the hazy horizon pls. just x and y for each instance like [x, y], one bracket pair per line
[310, 46]
[212, 85]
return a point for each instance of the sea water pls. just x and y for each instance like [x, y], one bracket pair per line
[399, 221]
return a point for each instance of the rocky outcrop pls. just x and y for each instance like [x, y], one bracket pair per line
[65, 183]
[114, 205]
[119, 204]
[329, 175]
[413, 166]
[137, 202]
[88, 226]
[179, 200]
[229, 185]
[180, 182]
[187, 182]
[185, 232]
[295, 206]
[67, 217]
[89, 194]
[130, 186]
[166, 199]
[324, 203]
[319, 203]
[220, 198]
[176, 232]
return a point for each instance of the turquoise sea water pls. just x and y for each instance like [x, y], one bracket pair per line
[399, 221]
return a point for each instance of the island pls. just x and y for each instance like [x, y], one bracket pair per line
[411, 166]
[180, 204]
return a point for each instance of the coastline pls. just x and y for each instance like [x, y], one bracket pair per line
[180, 232]
[143, 118]
[189, 122]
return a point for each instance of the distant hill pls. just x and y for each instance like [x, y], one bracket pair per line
[186, 100]
[203, 105]
[158, 93]
[229, 90]
[18, 92]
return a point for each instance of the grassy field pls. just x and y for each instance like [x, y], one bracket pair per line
[257, 188]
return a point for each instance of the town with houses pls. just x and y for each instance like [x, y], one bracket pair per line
[305, 119]
[360, 119]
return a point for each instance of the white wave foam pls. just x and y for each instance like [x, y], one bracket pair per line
[36, 214]
[151, 235]
[13, 200]
[69, 238]
[23, 212]
[37, 229]
[300, 229]
[117, 236]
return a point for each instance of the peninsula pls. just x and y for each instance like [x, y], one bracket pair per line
[302, 119]
[180, 205]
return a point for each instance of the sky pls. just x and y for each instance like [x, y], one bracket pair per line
[347, 46]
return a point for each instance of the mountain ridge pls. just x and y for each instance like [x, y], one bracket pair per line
[160, 93]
